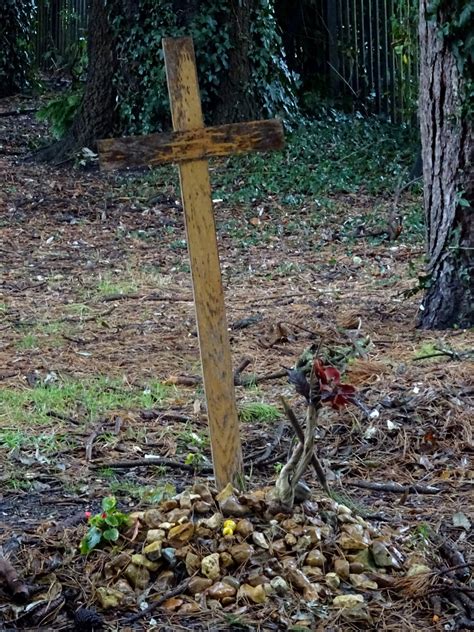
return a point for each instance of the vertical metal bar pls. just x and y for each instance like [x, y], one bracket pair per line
[388, 81]
[363, 50]
[355, 31]
[333, 54]
[377, 57]
[370, 51]
[348, 43]
[394, 70]
[401, 66]
[416, 55]
[342, 60]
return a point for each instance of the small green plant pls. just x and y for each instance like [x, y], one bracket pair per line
[30, 341]
[426, 349]
[59, 112]
[259, 411]
[108, 286]
[191, 438]
[420, 537]
[157, 494]
[196, 459]
[105, 526]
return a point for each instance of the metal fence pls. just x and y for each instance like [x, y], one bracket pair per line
[363, 54]
[373, 54]
[60, 26]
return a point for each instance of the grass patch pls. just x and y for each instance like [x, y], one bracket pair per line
[18, 439]
[42, 334]
[85, 400]
[29, 341]
[107, 286]
[259, 411]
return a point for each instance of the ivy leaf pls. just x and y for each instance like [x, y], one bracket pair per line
[90, 540]
[112, 520]
[109, 503]
[111, 535]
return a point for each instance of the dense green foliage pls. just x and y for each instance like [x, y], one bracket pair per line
[59, 112]
[141, 82]
[335, 153]
[455, 22]
[15, 32]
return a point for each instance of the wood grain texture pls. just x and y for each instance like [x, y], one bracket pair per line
[202, 244]
[196, 144]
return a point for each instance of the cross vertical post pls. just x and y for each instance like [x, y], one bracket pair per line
[213, 334]
[190, 145]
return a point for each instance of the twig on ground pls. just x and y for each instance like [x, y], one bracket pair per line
[127, 465]
[450, 553]
[90, 441]
[193, 380]
[184, 380]
[56, 415]
[147, 415]
[453, 355]
[396, 488]
[87, 319]
[146, 297]
[178, 590]
[99, 430]
[256, 379]
[445, 571]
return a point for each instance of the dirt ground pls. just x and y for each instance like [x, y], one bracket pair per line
[95, 284]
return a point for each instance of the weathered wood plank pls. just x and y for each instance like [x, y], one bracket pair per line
[195, 144]
[202, 244]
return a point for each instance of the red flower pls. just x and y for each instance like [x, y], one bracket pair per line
[87, 515]
[334, 393]
[103, 515]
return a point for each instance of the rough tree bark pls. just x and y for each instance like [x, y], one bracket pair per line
[236, 102]
[448, 156]
[96, 115]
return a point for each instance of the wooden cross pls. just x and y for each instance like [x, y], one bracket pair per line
[190, 144]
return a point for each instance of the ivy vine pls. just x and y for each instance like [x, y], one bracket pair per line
[141, 81]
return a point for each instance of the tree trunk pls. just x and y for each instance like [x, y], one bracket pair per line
[96, 115]
[448, 153]
[236, 102]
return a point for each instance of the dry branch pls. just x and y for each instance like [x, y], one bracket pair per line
[178, 590]
[396, 488]
[127, 465]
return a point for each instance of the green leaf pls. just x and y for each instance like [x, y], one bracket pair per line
[90, 540]
[111, 535]
[112, 520]
[109, 503]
